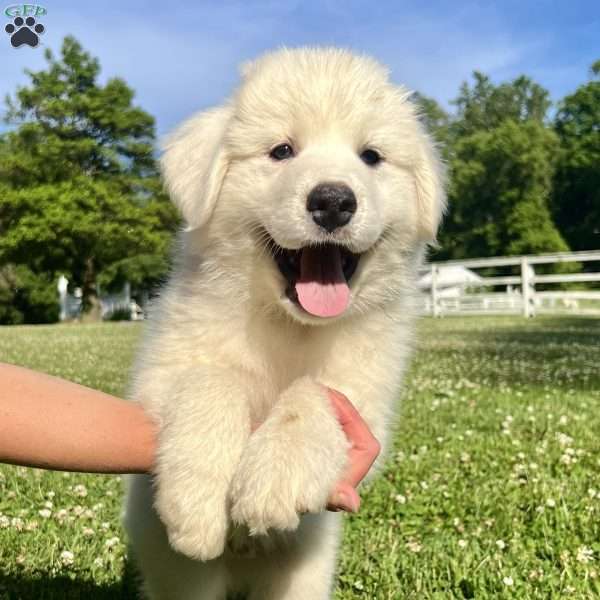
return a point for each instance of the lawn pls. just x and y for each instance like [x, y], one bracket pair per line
[492, 489]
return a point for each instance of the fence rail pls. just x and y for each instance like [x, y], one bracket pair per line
[454, 287]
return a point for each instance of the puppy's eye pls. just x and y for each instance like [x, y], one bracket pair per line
[282, 152]
[371, 157]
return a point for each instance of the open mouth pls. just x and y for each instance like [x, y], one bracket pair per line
[318, 276]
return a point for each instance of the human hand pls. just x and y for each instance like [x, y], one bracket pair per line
[361, 456]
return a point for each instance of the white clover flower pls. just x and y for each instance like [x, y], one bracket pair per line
[563, 439]
[508, 581]
[566, 459]
[550, 502]
[67, 558]
[112, 542]
[4, 521]
[88, 532]
[31, 526]
[501, 544]
[45, 513]
[400, 499]
[80, 490]
[17, 523]
[585, 554]
[462, 543]
[414, 546]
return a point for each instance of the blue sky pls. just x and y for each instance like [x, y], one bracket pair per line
[183, 56]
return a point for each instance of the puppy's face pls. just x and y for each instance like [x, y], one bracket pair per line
[320, 172]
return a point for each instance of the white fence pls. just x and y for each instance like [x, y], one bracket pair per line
[70, 304]
[456, 287]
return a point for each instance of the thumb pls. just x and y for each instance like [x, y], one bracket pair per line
[344, 497]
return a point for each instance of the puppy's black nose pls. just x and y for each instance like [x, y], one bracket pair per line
[332, 205]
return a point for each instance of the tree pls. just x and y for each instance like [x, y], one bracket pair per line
[434, 117]
[80, 193]
[500, 185]
[501, 166]
[485, 105]
[576, 197]
[26, 296]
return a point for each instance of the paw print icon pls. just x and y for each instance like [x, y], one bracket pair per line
[24, 31]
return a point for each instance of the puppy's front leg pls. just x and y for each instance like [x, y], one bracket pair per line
[291, 462]
[204, 427]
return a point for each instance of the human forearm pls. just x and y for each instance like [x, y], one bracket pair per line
[52, 423]
[55, 424]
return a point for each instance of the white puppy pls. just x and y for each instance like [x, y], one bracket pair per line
[309, 198]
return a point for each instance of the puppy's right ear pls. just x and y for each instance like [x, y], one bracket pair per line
[194, 164]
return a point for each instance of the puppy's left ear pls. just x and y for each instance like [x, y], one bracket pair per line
[430, 180]
[194, 164]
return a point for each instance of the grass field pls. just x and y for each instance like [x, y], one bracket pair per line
[492, 489]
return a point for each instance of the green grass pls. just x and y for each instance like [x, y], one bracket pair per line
[492, 489]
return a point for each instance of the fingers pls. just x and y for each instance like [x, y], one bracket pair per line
[361, 456]
[344, 497]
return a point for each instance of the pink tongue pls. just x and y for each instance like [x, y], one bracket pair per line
[322, 288]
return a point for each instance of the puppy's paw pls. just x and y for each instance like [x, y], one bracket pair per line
[291, 463]
[196, 525]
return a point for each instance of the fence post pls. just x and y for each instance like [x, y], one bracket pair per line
[436, 309]
[527, 288]
[62, 286]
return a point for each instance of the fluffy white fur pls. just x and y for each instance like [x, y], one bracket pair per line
[230, 510]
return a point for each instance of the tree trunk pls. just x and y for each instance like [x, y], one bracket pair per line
[90, 304]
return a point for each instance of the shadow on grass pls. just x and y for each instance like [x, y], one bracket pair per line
[52, 587]
[540, 330]
[59, 588]
[545, 351]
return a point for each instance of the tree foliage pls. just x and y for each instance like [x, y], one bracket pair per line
[499, 189]
[501, 161]
[576, 197]
[80, 193]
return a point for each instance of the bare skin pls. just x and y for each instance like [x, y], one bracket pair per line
[51, 423]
